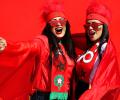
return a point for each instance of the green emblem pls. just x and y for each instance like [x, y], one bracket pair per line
[59, 81]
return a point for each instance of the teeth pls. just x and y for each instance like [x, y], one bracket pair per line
[58, 29]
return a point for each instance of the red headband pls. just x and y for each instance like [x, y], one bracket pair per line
[55, 14]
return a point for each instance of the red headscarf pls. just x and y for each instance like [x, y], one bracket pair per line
[100, 12]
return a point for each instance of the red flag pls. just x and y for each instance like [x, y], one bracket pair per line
[106, 83]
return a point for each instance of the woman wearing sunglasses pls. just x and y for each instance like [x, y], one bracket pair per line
[60, 64]
[46, 63]
[98, 68]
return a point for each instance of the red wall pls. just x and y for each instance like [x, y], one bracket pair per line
[21, 19]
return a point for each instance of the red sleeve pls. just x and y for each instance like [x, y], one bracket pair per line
[32, 46]
[16, 53]
[42, 70]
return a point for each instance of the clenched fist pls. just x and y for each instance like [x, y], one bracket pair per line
[3, 44]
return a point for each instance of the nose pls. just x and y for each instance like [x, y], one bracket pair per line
[90, 27]
[58, 23]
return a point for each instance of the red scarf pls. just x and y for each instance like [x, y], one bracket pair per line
[60, 78]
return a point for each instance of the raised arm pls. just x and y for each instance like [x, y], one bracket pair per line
[17, 52]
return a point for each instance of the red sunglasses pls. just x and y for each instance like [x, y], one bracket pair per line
[94, 25]
[54, 23]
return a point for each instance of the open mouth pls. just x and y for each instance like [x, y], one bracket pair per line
[58, 30]
[91, 32]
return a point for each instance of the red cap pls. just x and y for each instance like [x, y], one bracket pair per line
[52, 10]
[99, 12]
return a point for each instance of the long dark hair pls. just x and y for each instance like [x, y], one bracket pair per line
[104, 38]
[66, 40]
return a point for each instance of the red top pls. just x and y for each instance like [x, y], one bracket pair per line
[106, 82]
[54, 73]
[86, 62]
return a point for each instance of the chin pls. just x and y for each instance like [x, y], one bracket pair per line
[59, 37]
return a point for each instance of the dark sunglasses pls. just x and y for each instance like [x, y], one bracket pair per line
[54, 23]
[94, 25]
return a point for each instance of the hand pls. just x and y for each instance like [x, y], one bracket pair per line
[3, 44]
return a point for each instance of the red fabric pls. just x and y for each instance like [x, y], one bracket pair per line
[100, 12]
[106, 79]
[79, 41]
[55, 14]
[42, 75]
[17, 68]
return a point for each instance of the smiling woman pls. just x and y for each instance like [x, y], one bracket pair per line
[98, 67]
[94, 29]
[61, 59]
[42, 66]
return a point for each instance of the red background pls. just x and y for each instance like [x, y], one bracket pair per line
[21, 19]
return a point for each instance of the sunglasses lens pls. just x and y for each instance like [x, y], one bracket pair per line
[86, 26]
[93, 25]
[56, 22]
[52, 23]
[63, 22]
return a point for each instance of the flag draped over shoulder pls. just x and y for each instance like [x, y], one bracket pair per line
[106, 82]
[18, 64]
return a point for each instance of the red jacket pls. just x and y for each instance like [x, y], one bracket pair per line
[17, 67]
[57, 81]
[106, 81]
